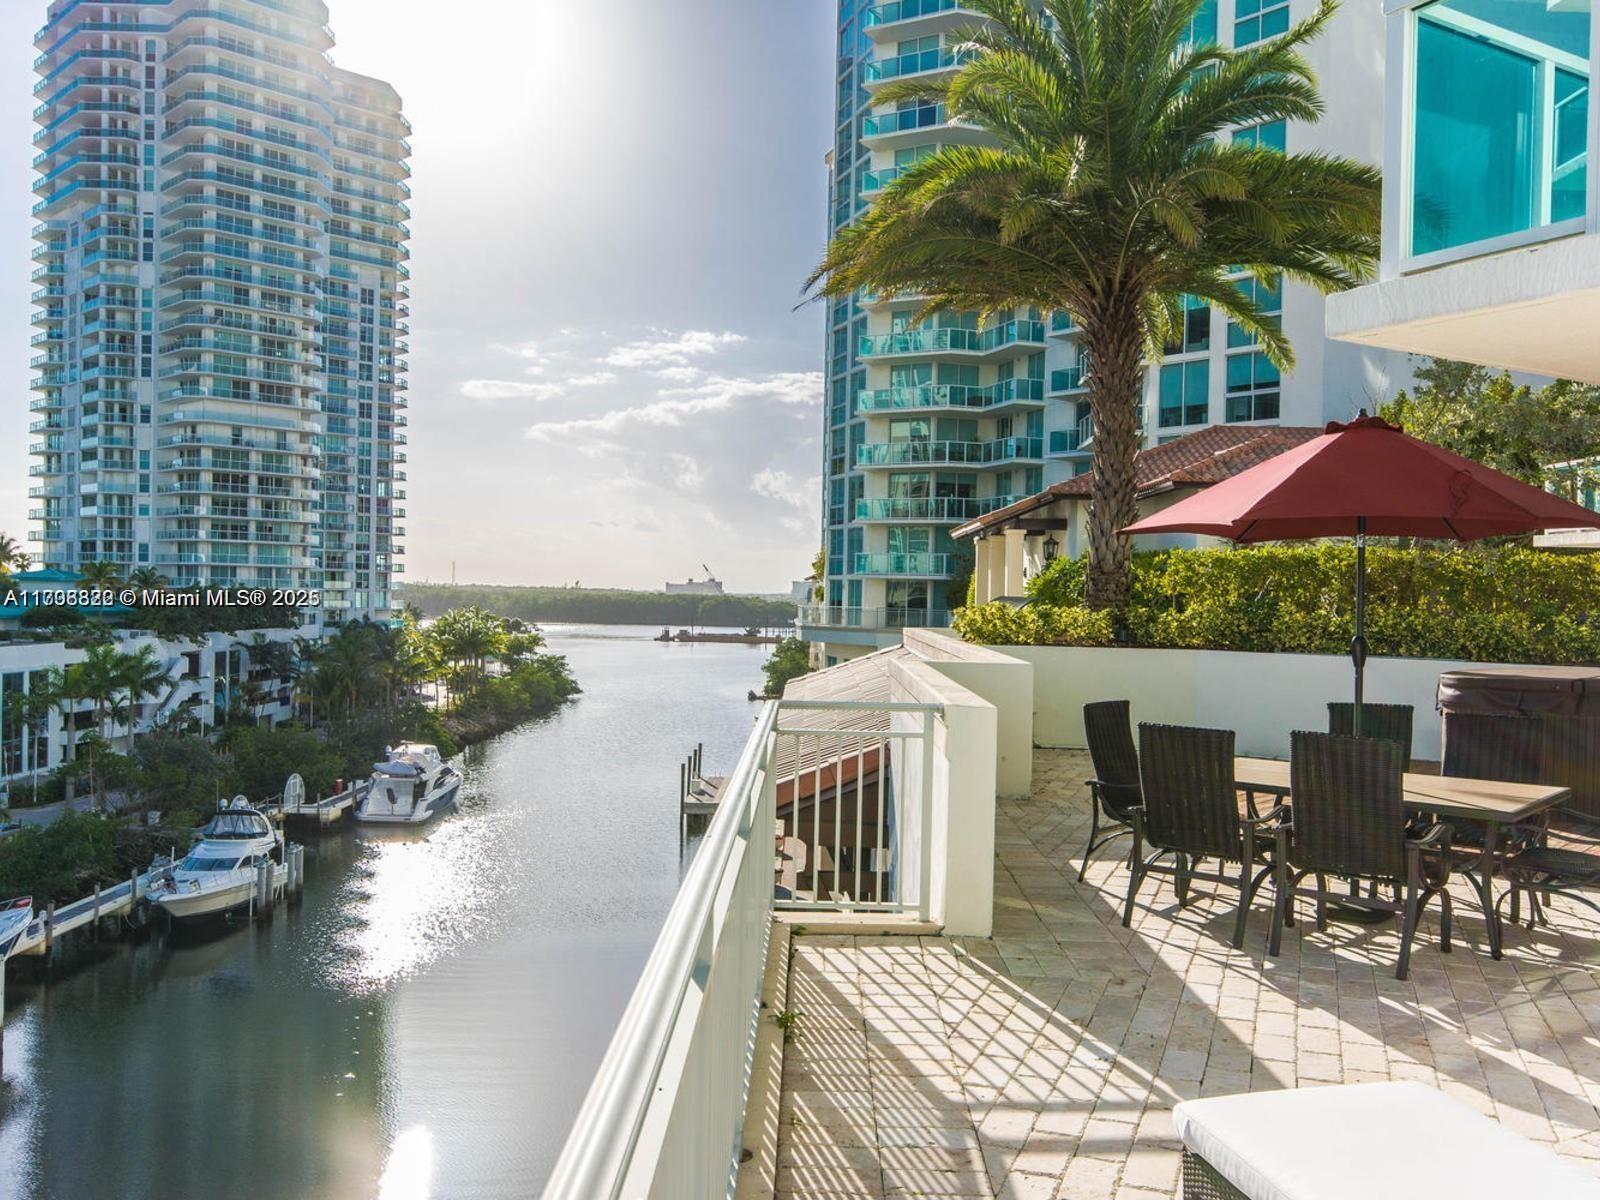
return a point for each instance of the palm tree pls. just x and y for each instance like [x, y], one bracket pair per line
[141, 676]
[12, 556]
[99, 575]
[1115, 190]
[147, 577]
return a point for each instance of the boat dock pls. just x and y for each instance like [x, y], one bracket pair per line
[322, 810]
[698, 794]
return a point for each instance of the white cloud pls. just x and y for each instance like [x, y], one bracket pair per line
[669, 349]
[509, 389]
[674, 405]
[592, 379]
[803, 496]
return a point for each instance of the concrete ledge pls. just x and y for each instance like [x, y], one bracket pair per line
[757, 1177]
[859, 925]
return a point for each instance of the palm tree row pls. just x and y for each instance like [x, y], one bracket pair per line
[366, 665]
[1115, 189]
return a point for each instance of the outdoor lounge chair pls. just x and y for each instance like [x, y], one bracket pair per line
[1190, 811]
[1348, 819]
[1391, 722]
[1362, 1140]
[1114, 790]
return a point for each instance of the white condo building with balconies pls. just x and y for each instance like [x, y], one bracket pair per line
[221, 304]
[928, 426]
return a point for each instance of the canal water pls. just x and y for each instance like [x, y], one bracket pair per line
[426, 1022]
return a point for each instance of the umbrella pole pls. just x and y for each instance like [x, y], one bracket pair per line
[1358, 644]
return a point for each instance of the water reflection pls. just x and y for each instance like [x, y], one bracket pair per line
[426, 1021]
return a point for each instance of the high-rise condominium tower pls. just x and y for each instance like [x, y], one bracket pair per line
[220, 387]
[928, 425]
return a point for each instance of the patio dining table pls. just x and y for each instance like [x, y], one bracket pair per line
[1493, 804]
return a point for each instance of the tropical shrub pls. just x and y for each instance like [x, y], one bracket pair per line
[1001, 624]
[790, 659]
[1485, 604]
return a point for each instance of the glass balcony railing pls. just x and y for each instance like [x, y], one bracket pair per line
[890, 11]
[931, 453]
[951, 395]
[920, 564]
[921, 116]
[1499, 92]
[934, 341]
[841, 617]
[1064, 441]
[900, 65]
[1068, 379]
[929, 508]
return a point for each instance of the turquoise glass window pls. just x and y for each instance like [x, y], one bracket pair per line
[1271, 135]
[1184, 393]
[1500, 93]
[1253, 388]
[1268, 299]
[1258, 20]
[1202, 29]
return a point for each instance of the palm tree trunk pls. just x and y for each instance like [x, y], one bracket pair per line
[1113, 339]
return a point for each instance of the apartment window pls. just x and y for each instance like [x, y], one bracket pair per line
[1500, 95]
[1268, 299]
[1253, 388]
[1270, 135]
[1202, 29]
[1195, 332]
[1257, 20]
[1185, 393]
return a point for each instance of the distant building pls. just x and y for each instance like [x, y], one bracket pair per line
[221, 300]
[696, 587]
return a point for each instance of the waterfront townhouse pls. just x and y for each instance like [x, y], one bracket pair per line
[219, 388]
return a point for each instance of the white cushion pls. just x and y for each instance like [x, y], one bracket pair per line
[1372, 1141]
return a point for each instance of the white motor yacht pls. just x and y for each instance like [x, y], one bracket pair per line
[218, 875]
[413, 786]
[14, 918]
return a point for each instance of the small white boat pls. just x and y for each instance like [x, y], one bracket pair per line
[219, 873]
[14, 918]
[413, 786]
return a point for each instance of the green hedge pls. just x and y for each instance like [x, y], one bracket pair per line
[1499, 604]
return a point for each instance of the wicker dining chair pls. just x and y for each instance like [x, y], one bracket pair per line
[1391, 722]
[1348, 819]
[1492, 746]
[1190, 811]
[1114, 790]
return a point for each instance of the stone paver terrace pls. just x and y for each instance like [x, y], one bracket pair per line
[1045, 1063]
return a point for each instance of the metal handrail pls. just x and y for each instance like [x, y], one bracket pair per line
[599, 1153]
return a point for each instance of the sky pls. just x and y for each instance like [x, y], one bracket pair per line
[613, 378]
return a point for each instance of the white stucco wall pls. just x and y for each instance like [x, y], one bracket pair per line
[1004, 681]
[1263, 697]
[961, 830]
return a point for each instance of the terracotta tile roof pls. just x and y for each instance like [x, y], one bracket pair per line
[1198, 459]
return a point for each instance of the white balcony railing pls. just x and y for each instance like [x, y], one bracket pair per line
[831, 806]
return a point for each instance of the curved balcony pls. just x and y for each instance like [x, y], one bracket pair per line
[1008, 335]
[923, 509]
[994, 397]
[841, 617]
[903, 66]
[914, 565]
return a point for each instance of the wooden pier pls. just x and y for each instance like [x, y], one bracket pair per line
[698, 794]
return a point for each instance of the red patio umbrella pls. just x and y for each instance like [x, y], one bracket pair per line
[1367, 477]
